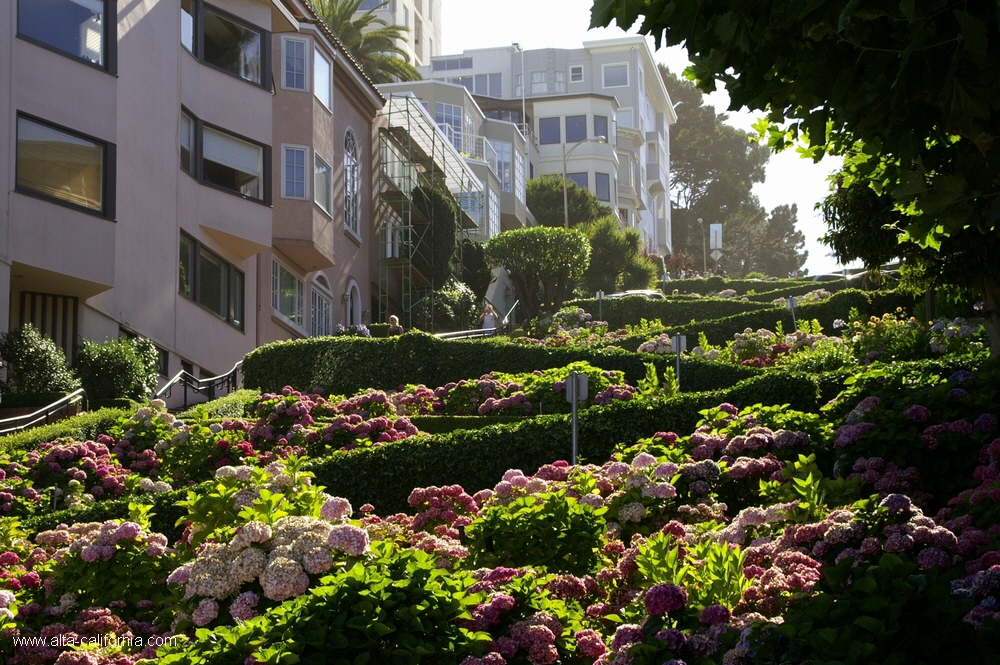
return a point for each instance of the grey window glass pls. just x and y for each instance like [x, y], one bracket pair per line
[60, 165]
[576, 128]
[615, 76]
[236, 301]
[232, 46]
[495, 86]
[295, 172]
[187, 24]
[187, 143]
[232, 163]
[186, 265]
[322, 185]
[295, 64]
[548, 130]
[602, 181]
[75, 27]
[579, 178]
[482, 84]
[212, 283]
[601, 127]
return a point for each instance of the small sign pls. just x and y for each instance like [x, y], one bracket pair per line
[679, 343]
[600, 295]
[716, 255]
[792, 303]
[715, 236]
[576, 386]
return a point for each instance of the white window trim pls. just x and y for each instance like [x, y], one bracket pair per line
[628, 74]
[300, 295]
[318, 53]
[571, 79]
[307, 70]
[320, 157]
[627, 109]
[305, 172]
[319, 290]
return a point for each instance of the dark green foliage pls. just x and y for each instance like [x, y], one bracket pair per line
[611, 252]
[477, 272]
[378, 329]
[619, 312]
[448, 424]
[434, 239]
[34, 363]
[234, 405]
[118, 368]
[476, 459]
[798, 289]
[545, 200]
[450, 308]
[707, 285]
[82, 427]
[347, 365]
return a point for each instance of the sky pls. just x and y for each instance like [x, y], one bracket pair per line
[534, 24]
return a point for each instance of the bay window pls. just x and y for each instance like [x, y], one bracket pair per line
[225, 41]
[287, 293]
[80, 29]
[211, 281]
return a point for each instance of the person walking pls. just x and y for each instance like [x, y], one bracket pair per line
[488, 319]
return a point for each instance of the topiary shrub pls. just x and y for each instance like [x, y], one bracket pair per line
[35, 365]
[118, 368]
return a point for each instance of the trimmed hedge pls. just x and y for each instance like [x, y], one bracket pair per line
[837, 306]
[476, 459]
[798, 290]
[234, 405]
[345, 365]
[449, 424]
[704, 286]
[86, 426]
[619, 312]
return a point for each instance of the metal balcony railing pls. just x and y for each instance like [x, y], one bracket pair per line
[45, 414]
[207, 387]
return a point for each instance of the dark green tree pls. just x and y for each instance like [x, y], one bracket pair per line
[906, 91]
[34, 363]
[118, 368]
[477, 272]
[616, 259]
[372, 41]
[544, 198]
[435, 239]
[544, 263]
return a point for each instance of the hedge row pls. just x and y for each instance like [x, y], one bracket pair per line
[837, 306]
[234, 405]
[82, 427]
[797, 290]
[704, 286]
[345, 365]
[619, 312]
[476, 459]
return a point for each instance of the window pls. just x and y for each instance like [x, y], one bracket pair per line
[465, 81]
[449, 118]
[494, 212]
[505, 151]
[454, 63]
[576, 128]
[293, 176]
[624, 118]
[353, 304]
[601, 127]
[286, 293]
[625, 168]
[580, 179]
[65, 167]
[482, 84]
[519, 179]
[322, 79]
[232, 163]
[623, 213]
[229, 162]
[652, 154]
[538, 85]
[603, 184]
[560, 82]
[77, 28]
[210, 281]
[323, 184]
[352, 185]
[226, 42]
[518, 85]
[576, 74]
[367, 5]
[548, 130]
[322, 314]
[294, 52]
[616, 76]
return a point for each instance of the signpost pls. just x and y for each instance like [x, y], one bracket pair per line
[600, 305]
[715, 242]
[576, 392]
[792, 304]
[679, 343]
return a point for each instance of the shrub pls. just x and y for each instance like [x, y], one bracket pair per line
[619, 312]
[118, 368]
[86, 426]
[450, 308]
[234, 405]
[34, 363]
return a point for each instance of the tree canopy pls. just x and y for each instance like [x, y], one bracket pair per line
[907, 91]
[544, 263]
[371, 40]
[544, 198]
[616, 260]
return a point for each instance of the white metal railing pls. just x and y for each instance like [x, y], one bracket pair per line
[44, 414]
[230, 381]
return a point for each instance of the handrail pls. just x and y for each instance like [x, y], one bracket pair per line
[15, 424]
[506, 317]
[468, 334]
[229, 381]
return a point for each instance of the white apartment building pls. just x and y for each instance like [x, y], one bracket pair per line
[422, 17]
[567, 100]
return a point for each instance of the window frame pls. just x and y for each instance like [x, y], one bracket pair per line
[555, 121]
[560, 82]
[329, 189]
[193, 280]
[352, 181]
[577, 119]
[285, 149]
[198, 159]
[586, 179]
[109, 170]
[597, 185]
[277, 265]
[543, 82]
[320, 291]
[199, 43]
[110, 40]
[306, 65]
[573, 69]
[604, 74]
[327, 104]
[607, 127]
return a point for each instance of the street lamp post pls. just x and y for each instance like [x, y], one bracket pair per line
[704, 248]
[566, 154]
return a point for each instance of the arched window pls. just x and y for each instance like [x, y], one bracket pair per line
[352, 183]
[321, 307]
[353, 304]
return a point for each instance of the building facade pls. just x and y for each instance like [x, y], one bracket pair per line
[198, 173]
[421, 17]
[602, 109]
